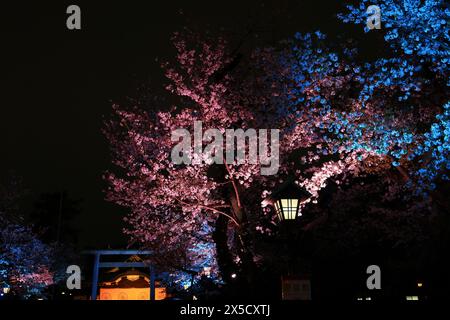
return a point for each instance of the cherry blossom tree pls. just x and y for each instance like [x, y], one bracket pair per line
[339, 119]
[172, 204]
[25, 261]
[418, 76]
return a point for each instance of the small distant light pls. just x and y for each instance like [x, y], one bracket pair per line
[412, 298]
[63, 292]
[234, 275]
[186, 286]
[1, 294]
[368, 298]
[360, 299]
[40, 299]
[419, 284]
[207, 271]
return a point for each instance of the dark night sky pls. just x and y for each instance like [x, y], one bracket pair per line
[57, 84]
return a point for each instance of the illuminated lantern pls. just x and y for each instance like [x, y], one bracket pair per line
[287, 200]
[6, 289]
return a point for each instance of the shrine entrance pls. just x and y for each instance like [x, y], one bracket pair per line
[120, 264]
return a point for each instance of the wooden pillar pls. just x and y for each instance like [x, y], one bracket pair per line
[95, 277]
[152, 284]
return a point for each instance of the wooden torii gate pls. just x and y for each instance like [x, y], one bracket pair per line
[98, 265]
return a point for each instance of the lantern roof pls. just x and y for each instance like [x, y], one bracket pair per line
[290, 190]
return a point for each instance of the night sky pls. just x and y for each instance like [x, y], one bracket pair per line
[58, 85]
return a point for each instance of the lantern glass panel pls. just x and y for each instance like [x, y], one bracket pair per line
[287, 208]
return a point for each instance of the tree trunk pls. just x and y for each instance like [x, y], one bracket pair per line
[249, 270]
[224, 257]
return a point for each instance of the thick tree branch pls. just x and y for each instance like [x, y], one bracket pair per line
[211, 209]
[233, 182]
